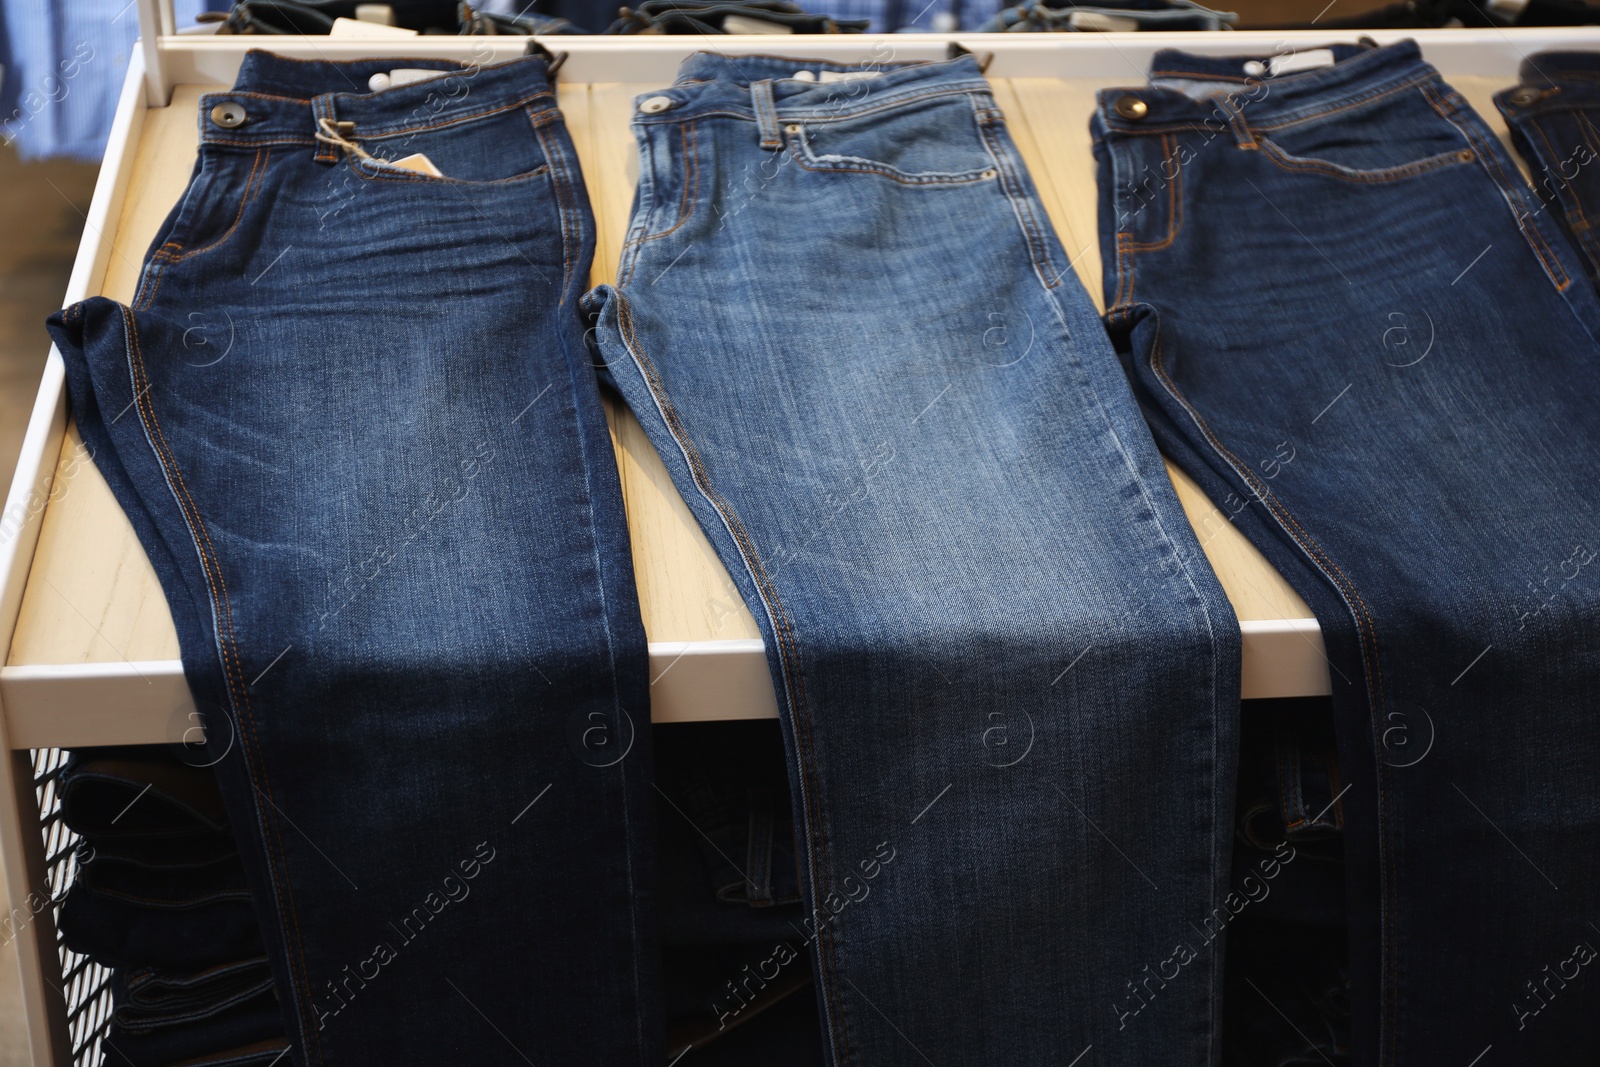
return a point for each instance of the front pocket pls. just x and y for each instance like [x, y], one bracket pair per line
[502, 146]
[1397, 134]
[926, 142]
[378, 169]
[1356, 174]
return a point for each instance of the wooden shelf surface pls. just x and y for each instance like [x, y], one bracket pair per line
[93, 599]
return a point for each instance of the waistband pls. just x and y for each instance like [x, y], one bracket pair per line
[1185, 89]
[801, 88]
[1550, 69]
[279, 100]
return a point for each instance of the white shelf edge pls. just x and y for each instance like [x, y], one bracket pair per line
[1282, 658]
[147, 702]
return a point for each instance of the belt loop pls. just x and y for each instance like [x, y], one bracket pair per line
[766, 113]
[322, 108]
[1236, 122]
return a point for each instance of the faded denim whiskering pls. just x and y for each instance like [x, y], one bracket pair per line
[1008, 679]
[1347, 313]
[351, 416]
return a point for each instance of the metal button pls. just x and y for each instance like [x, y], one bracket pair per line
[228, 115]
[1131, 107]
[805, 76]
[655, 104]
[1254, 67]
[1524, 96]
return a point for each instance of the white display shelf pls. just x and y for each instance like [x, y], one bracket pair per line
[88, 652]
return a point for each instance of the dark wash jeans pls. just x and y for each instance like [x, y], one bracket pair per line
[351, 416]
[1346, 314]
[1554, 117]
[1008, 679]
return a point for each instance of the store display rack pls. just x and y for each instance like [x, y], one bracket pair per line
[88, 654]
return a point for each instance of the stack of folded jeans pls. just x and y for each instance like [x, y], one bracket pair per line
[1066, 16]
[160, 897]
[722, 16]
[317, 17]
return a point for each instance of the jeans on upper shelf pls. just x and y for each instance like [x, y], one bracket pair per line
[351, 417]
[1048, 16]
[1007, 678]
[1346, 315]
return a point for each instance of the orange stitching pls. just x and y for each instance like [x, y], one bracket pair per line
[1124, 265]
[1575, 201]
[1379, 176]
[1359, 102]
[1187, 75]
[691, 189]
[152, 281]
[788, 655]
[817, 116]
[384, 134]
[249, 186]
[1174, 201]
[1365, 626]
[232, 668]
[260, 141]
[571, 233]
[558, 186]
[1525, 222]
[1588, 130]
[867, 166]
[995, 141]
[380, 173]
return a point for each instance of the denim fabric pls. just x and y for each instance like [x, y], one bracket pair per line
[161, 883]
[163, 1018]
[138, 791]
[436, 16]
[1046, 16]
[1347, 317]
[351, 417]
[1008, 681]
[159, 879]
[117, 931]
[786, 1034]
[1286, 941]
[707, 17]
[1552, 116]
[731, 911]
[909, 16]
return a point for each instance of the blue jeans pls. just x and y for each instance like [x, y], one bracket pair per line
[162, 1018]
[1046, 16]
[1346, 315]
[351, 416]
[1552, 115]
[1008, 679]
